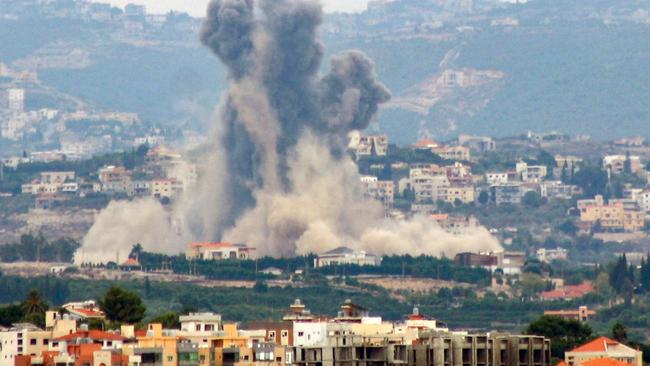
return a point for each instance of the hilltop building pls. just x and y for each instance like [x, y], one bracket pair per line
[345, 255]
[218, 251]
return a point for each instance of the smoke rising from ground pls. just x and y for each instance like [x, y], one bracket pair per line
[277, 175]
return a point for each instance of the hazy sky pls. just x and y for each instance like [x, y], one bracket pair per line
[197, 7]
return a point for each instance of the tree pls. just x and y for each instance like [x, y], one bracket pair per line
[603, 286]
[531, 284]
[147, 287]
[568, 227]
[619, 332]
[591, 179]
[627, 164]
[122, 306]
[564, 177]
[169, 320]
[34, 303]
[644, 274]
[531, 199]
[619, 275]
[483, 198]
[563, 333]
[136, 251]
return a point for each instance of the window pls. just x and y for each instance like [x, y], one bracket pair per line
[170, 358]
[301, 334]
[197, 327]
[32, 341]
[272, 334]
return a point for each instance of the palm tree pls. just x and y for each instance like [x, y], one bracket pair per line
[34, 303]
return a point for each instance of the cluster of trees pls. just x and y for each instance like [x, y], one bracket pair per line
[32, 310]
[625, 279]
[565, 334]
[119, 305]
[13, 288]
[420, 266]
[35, 248]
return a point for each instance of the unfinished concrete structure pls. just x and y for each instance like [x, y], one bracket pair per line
[432, 349]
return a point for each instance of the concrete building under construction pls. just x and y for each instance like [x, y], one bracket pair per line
[434, 349]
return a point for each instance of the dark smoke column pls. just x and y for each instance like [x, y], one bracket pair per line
[275, 96]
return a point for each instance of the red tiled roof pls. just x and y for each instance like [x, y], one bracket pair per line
[425, 143]
[131, 262]
[140, 333]
[604, 362]
[91, 334]
[568, 292]
[599, 344]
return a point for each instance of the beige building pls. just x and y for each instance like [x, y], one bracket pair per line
[613, 216]
[603, 347]
[462, 193]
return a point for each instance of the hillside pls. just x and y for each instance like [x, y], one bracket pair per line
[576, 67]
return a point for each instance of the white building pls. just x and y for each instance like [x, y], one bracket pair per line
[14, 161]
[615, 164]
[218, 251]
[556, 189]
[548, 255]
[201, 324]
[493, 178]
[368, 145]
[16, 99]
[308, 334]
[531, 173]
[344, 256]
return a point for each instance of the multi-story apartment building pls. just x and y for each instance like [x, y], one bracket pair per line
[616, 215]
[615, 164]
[433, 349]
[16, 99]
[453, 153]
[460, 193]
[508, 193]
[493, 178]
[115, 179]
[368, 145]
[531, 173]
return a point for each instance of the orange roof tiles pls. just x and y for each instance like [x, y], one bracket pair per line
[568, 292]
[131, 262]
[91, 334]
[425, 143]
[599, 344]
[440, 217]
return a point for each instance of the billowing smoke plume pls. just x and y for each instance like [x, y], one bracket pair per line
[278, 177]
